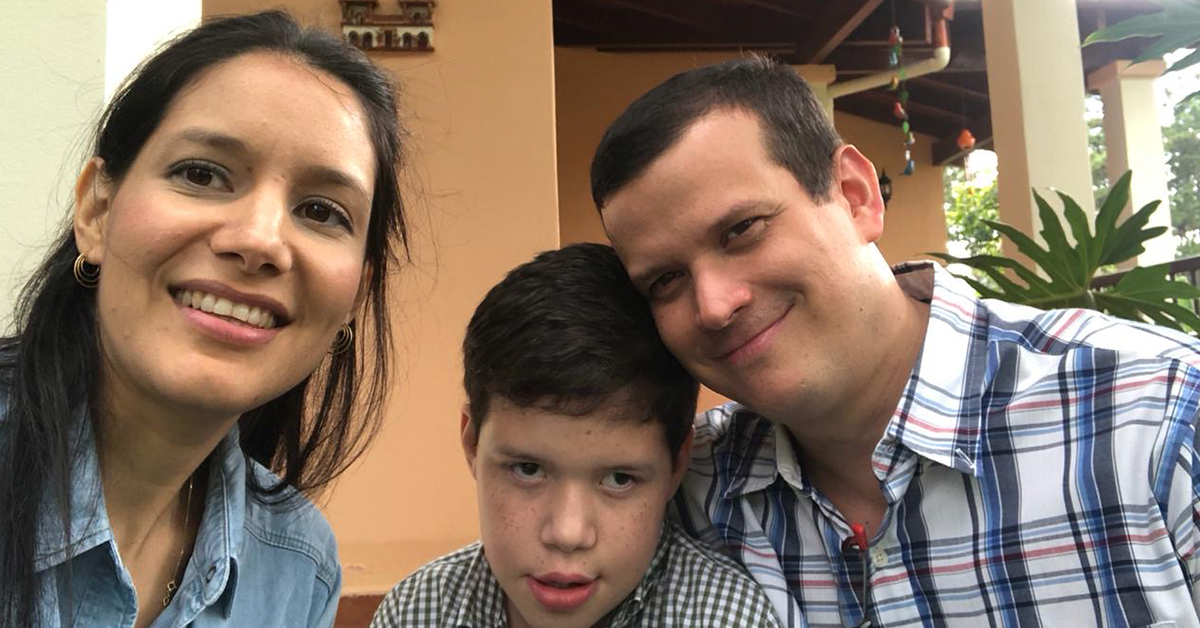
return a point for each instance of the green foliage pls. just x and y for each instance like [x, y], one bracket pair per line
[1176, 26]
[1181, 142]
[1145, 293]
[968, 209]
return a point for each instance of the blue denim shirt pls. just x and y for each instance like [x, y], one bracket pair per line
[253, 564]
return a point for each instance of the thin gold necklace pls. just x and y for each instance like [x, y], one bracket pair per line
[173, 586]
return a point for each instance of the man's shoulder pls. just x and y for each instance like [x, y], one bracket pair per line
[1065, 330]
[432, 592]
[703, 585]
[726, 423]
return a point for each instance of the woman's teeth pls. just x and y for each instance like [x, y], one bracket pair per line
[205, 302]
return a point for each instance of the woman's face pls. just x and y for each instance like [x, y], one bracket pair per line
[233, 249]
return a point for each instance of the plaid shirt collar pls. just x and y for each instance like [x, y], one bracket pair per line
[937, 418]
[483, 605]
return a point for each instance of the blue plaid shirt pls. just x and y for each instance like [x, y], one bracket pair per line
[1039, 470]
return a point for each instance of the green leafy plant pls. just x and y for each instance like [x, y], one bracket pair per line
[1068, 270]
[1176, 26]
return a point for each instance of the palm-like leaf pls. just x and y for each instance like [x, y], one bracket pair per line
[1068, 269]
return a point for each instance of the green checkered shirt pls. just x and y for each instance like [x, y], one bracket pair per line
[687, 584]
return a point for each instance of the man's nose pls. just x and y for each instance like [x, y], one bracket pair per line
[719, 296]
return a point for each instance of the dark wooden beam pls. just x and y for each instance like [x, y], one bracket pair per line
[585, 17]
[790, 8]
[704, 17]
[837, 21]
[880, 110]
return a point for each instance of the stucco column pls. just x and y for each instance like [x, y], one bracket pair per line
[1133, 141]
[819, 77]
[1035, 81]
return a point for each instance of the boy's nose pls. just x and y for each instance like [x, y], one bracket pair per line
[569, 525]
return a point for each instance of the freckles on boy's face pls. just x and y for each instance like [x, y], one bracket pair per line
[570, 509]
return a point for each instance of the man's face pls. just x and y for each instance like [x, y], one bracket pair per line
[761, 292]
[570, 508]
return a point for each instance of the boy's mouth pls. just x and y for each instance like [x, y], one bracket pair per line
[561, 593]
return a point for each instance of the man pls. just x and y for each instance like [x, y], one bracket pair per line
[902, 453]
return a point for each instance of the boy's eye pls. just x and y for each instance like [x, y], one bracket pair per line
[619, 481]
[525, 470]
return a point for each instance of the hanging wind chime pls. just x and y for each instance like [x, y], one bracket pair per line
[965, 140]
[899, 85]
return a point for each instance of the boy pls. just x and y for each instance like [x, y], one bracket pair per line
[577, 429]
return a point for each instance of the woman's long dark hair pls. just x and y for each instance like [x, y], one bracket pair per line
[49, 367]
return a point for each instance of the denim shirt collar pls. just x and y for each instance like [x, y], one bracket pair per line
[211, 574]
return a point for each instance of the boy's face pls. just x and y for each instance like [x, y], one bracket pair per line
[570, 508]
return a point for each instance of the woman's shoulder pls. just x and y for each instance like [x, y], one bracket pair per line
[291, 524]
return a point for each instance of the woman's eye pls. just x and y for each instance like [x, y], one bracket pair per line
[322, 213]
[317, 212]
[198, 175]
[619, 481]
[525, 470]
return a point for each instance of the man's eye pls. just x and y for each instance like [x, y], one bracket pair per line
[525, 470]
[742, 228]
[663, 280]
[619, 481]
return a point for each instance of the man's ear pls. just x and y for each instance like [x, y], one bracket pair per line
[682, 460]
[856, 181]
[93, 196]
[470, 438]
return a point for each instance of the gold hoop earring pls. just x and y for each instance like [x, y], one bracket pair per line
[86, 273]
[343, 340]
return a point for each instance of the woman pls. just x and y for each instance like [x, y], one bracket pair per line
[193, 327]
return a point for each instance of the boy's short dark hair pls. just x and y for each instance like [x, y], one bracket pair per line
[796, 130]
[568, 332]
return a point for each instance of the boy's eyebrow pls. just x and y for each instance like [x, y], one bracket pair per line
[632, 468]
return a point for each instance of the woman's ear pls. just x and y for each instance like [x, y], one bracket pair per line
[93, 195]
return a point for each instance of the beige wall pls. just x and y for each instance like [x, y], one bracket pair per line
[915, 223]
[482, 199]
[592, 88]
[52, 72]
